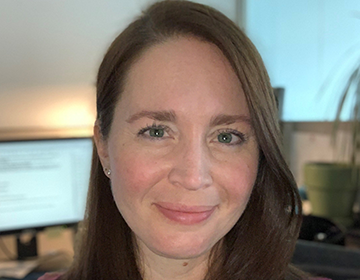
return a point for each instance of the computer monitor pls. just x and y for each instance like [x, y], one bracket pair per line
[43, 183]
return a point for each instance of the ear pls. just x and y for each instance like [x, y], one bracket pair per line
[101, 146]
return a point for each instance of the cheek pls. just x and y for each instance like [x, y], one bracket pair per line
[133, 173]
[240, 178]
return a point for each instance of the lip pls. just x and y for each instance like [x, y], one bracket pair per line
[183, 214]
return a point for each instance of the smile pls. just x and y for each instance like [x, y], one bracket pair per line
[186, 215]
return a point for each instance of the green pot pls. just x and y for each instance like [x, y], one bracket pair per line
[331, 189]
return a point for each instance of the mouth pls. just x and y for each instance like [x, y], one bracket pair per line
[185, 215]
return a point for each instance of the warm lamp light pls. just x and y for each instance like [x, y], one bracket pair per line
[76, 114]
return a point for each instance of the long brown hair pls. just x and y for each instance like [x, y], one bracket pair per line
[261, 243]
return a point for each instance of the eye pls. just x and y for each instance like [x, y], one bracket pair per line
[154, 132]
[225, 137]
[230, 137]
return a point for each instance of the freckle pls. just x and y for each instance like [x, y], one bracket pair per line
[185, 264]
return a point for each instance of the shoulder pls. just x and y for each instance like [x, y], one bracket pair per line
[50, 276]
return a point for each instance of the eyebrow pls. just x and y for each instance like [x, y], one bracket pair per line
[170, 116]
[229, 119]
[165, 116]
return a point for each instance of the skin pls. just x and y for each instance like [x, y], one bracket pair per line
[174, 159]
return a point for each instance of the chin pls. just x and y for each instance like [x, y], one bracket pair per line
[189, 247]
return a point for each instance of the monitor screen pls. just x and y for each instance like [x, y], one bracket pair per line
[43, 182]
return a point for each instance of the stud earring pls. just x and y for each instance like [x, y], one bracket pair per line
[107, 171]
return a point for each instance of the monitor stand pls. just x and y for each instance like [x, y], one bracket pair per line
[26, 247]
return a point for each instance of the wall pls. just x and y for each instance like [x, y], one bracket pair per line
[306, 44]
[49, 55]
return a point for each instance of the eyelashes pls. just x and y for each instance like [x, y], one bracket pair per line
[229, 137]
[154, 132]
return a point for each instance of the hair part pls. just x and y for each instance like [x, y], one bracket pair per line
[261, 243]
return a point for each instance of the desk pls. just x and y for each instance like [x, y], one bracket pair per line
[332, 261]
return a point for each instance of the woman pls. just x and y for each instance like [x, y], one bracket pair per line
[188, 180]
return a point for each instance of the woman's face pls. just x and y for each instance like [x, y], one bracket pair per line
[182, 151]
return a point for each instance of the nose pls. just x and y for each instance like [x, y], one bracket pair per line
[192, 167]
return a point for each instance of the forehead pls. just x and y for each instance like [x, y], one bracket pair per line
[183, 71]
